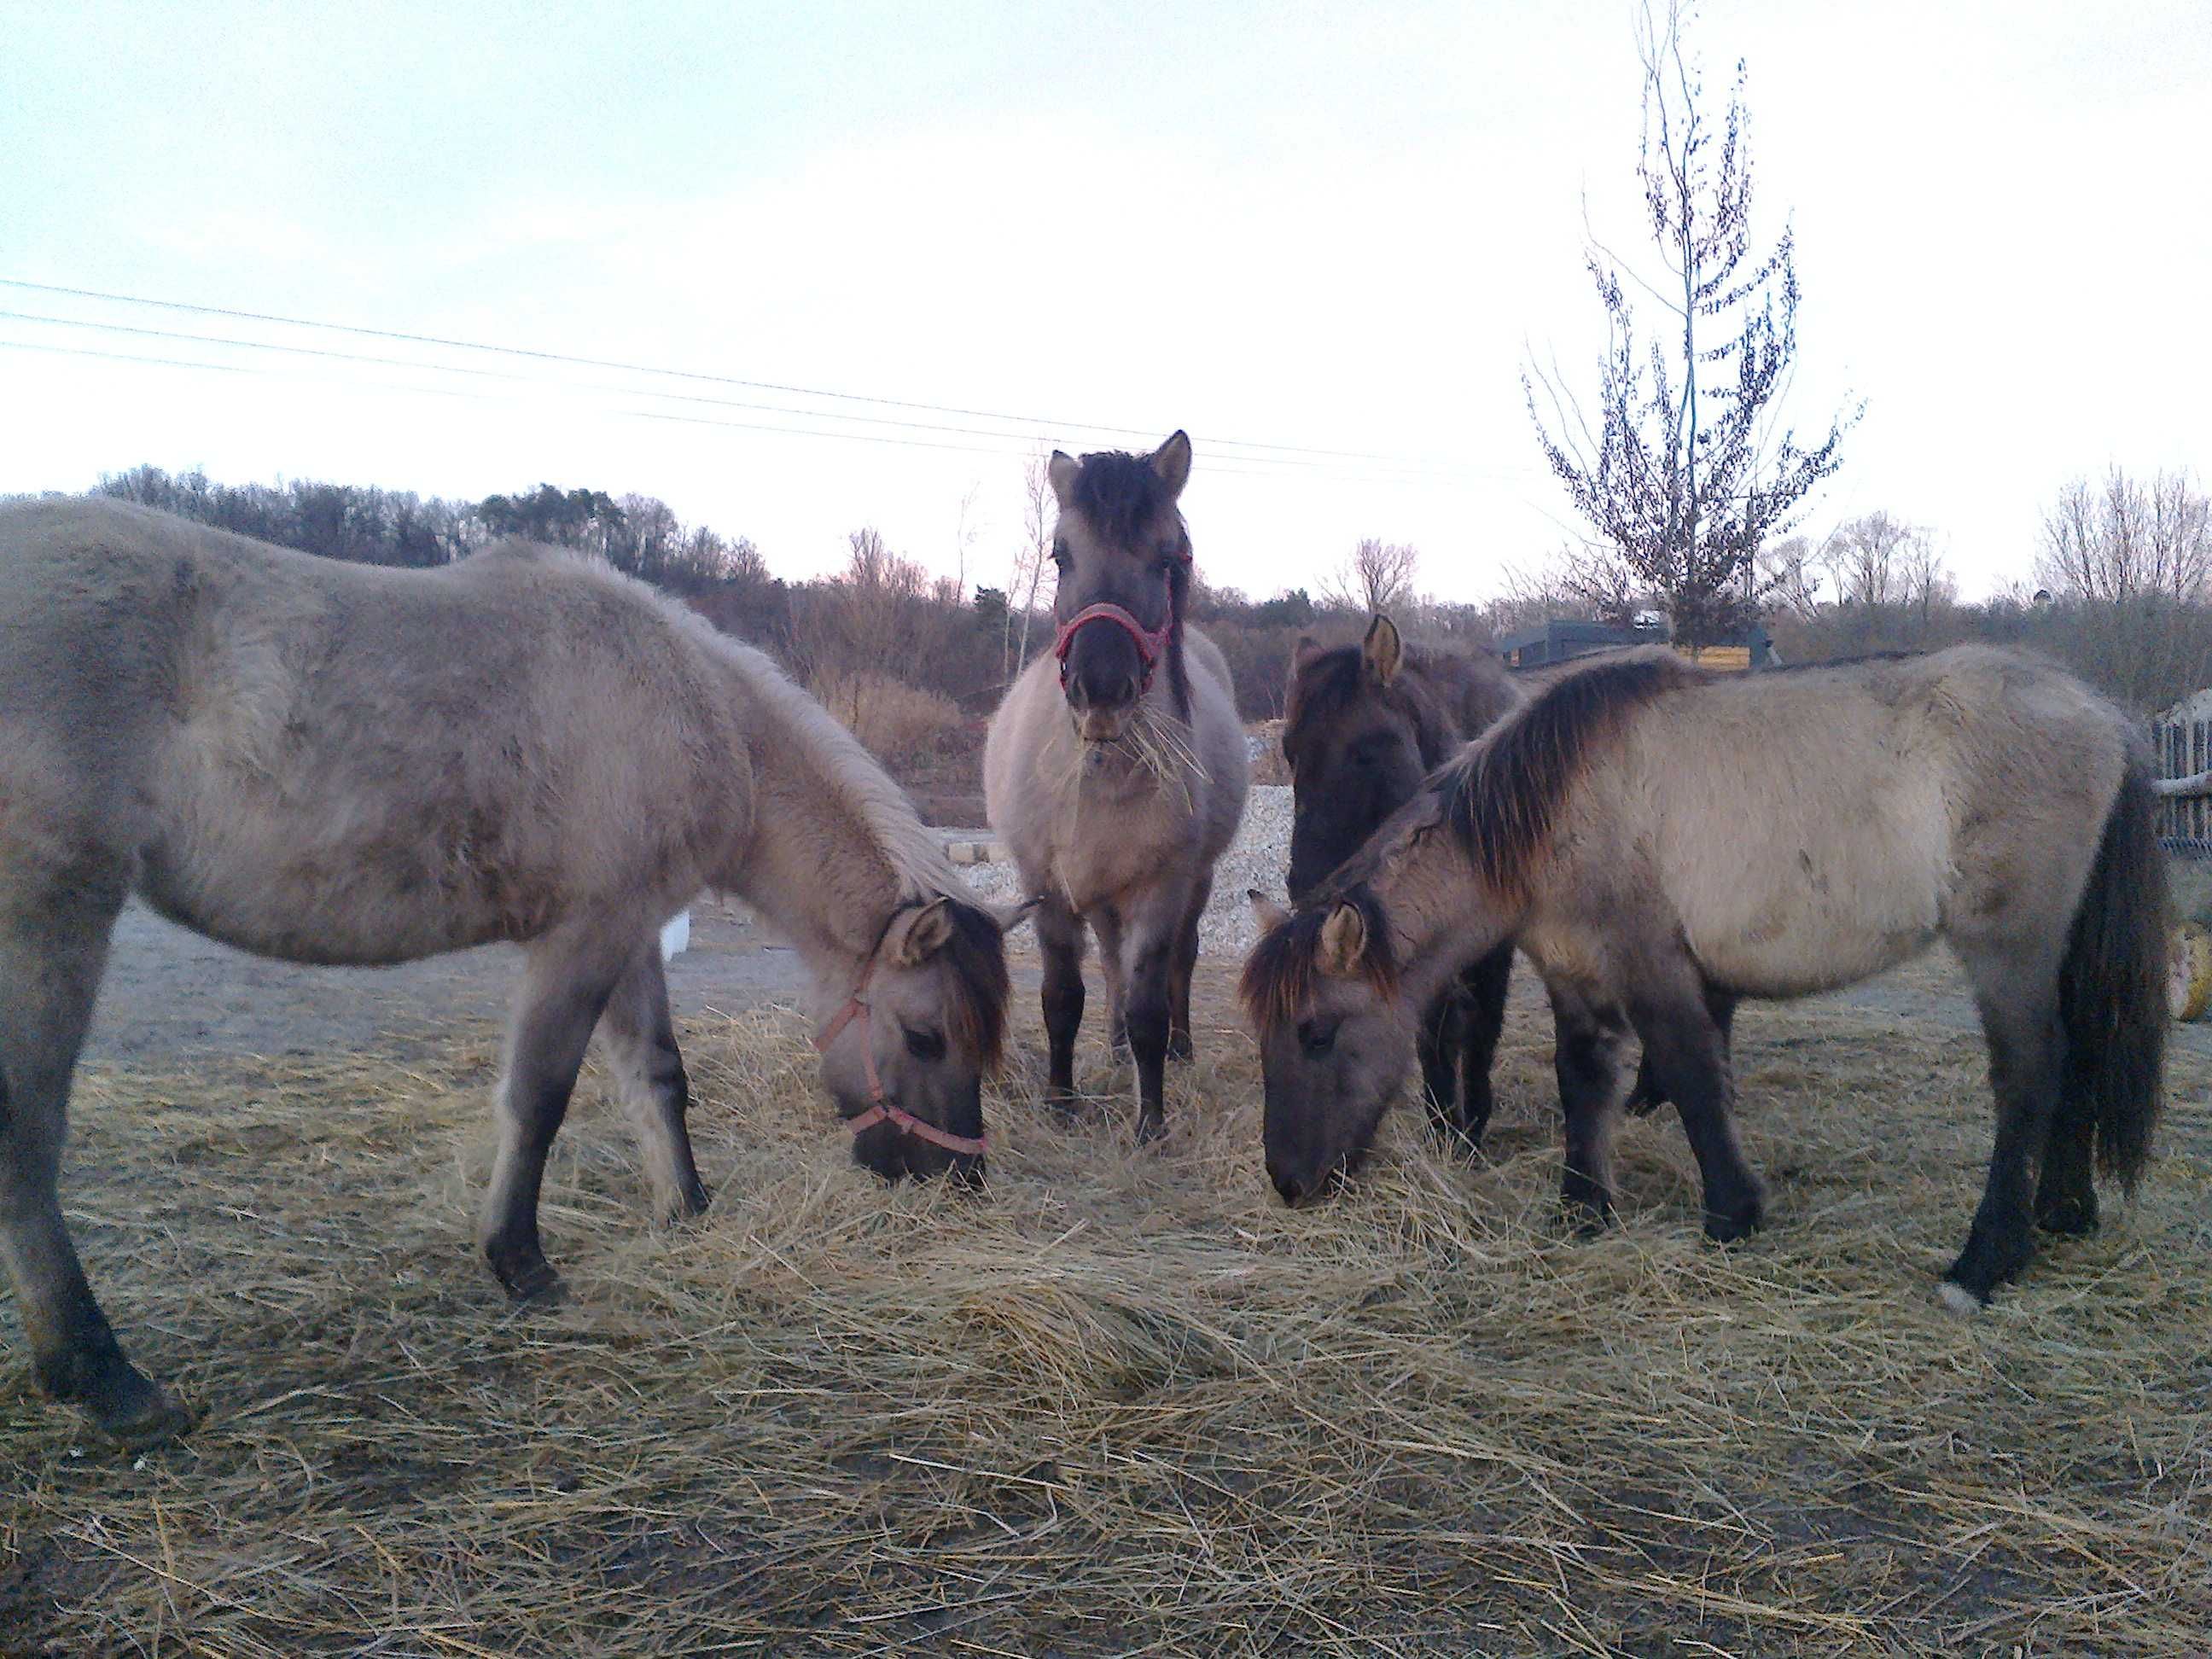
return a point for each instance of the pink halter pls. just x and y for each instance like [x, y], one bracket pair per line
[882, 1109]
[1150, 644]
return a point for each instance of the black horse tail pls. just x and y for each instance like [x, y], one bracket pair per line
[2111, 987]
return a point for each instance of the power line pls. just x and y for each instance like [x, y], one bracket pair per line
[46, 319]
[676, 374]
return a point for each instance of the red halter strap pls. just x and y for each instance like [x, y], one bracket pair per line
[1150, 644]
[882, 1109]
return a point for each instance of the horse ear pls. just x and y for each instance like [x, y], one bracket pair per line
[1171, 460]
[1272, 915]
[916, 935]
[1061, 470]
[1343, 941]
[1306, 648]
[1383, 649]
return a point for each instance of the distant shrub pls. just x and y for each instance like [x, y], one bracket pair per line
[901, 725]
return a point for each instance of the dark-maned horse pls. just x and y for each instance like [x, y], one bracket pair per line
[1651, 832]
[1115, 768]
[1363, 727]
[332, 762]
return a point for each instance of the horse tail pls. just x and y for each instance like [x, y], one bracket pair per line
[2111, 987]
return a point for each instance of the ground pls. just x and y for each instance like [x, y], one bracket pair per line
[1123, 1401]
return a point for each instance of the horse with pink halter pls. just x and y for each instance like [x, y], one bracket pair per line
[1115, 770]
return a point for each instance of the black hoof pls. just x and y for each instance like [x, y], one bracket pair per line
[1738, 1222]
[2071, 1216]
[532, 1280]
[1179, 1045]
[1150, 1127]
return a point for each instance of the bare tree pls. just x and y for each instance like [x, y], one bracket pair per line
[2126, 539]
[1789, 577]
[1687, 471]
[1868, 557]
[1378, 576]
[1037, 512]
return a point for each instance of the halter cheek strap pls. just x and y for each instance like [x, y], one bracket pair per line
[881, 1109]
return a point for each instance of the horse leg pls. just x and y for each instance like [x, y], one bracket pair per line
[2028, 1049]
[1155, 936]
[1060, 940]
[1686, 1049]
[53, 950]
[567, 982]
[1483, 987]
[656, 1095]
[1648, 1095]
[2066, 1191]
[1435, 1044]
[1588, 1040]
[1180, 970]
[1106, 922]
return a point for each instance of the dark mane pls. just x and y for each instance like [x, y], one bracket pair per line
[1500, 801]
[1278, 974]
[1121, 493]
[975, 954]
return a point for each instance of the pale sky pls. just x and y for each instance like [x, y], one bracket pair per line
[1325, 228]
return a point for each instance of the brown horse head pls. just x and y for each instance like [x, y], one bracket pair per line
[1363, 725]
[1321, 990]
[1124, 561]
[908, 1049]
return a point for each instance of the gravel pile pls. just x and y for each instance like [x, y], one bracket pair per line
[1257, 858]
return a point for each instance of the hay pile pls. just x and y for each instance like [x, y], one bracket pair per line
[1124, 1402]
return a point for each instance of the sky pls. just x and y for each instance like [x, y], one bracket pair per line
[1325, 239]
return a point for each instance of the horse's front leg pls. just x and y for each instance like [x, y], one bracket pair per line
[1060, 940]
[1183, 969]
[1483, 990]
[1436, 1045]
[566, 982]
[1588, 1040]
[1154, 933]
[656, 1094]
[1686, 1050]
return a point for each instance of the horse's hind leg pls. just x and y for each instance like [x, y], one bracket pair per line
[648, 1068]
[1648, 1097]
[1686, 1050]
[1484, 986]
[2019, 1004]
[1060, 940]
[1181, 972]
[51, 952]
[566, 984]
[1588, 1042]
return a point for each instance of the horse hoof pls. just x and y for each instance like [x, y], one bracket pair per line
[1179, 1046]
[144, 1419]
[688, 1206]
[534, 1282]
[2071, 1216]
[1729, 1227]
[1150, 1127]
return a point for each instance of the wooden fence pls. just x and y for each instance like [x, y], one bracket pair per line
[2184, 747]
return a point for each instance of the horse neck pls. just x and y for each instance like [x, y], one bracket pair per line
[1443, 916]
[835, 846]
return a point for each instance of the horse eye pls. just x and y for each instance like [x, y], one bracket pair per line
[1060, 554]
[1315, 1038]
[925, 1045]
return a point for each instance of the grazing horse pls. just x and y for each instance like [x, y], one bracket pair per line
[1650, 834]
[1115, 768]
[331, 762]
[1363, 727]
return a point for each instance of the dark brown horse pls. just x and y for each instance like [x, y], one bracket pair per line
[1650, 834]
[1363, 727]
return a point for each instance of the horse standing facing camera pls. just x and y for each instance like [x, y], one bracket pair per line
[1115, 768]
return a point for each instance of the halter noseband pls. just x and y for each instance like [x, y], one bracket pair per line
[881, 1109]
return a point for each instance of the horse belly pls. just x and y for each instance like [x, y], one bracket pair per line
[1783, 939]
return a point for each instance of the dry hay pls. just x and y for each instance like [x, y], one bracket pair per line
[1124, 1402]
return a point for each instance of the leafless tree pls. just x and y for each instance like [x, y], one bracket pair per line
[1867, 557]
[1686, 471]
[2126, 539]
[1038, 513]
[1789, 577]
[1377, 576]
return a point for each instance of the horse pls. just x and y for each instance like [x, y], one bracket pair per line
[1115, 769]
[1651, 832]
[338, 763]
[1363, 727]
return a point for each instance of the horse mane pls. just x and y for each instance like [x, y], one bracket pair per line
[975, 953]
[1501, 799]
[1121, 493]
[1278, 975]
